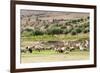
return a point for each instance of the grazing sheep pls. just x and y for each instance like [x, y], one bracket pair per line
[60, 50]
[30, 50]
[84, 46]
[38, 48]
[81, 48]
[66, 52]
[72, 48]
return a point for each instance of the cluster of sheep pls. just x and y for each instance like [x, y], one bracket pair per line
[65, 47]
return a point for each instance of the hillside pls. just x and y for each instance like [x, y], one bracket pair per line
[51, 22]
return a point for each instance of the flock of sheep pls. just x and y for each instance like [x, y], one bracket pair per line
[58, 46]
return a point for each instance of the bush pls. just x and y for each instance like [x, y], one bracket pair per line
[86, 24]
[86, 30]
[55, 30]
[88, 17]
[74, 21]
[28, 29]
[26, 34]
[78, 30]
[81, 19]
[70, 29]
[63, 27]
[68, 23]
[66, 31]
[73, 32]
[38, 32]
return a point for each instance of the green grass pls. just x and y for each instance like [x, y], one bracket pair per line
[47, 52]
[55, 37]
[44, 52]
[41, 53]
[52, 56]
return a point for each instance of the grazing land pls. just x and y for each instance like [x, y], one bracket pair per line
[49, 36]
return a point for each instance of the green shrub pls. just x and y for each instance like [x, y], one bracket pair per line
[74, 21]
[68, 23]
[63, 27]
[26, 34]
[86, 30]
[81, 19]
[86, 24]
[88, 17]
[78, 30]
[28, 30]
[73, 32]
[66, 31]
[38, 32]
[70, 29]
[55, 30]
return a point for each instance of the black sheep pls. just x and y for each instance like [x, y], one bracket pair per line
[30, 50]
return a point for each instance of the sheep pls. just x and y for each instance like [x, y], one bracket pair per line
[66, 52]
[83, 48]
[38, 48]
[60, 49]
[29, 49]
[24, 50]
[72, 48]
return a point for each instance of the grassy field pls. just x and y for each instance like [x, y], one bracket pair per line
[52, 56]
[55, 37]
